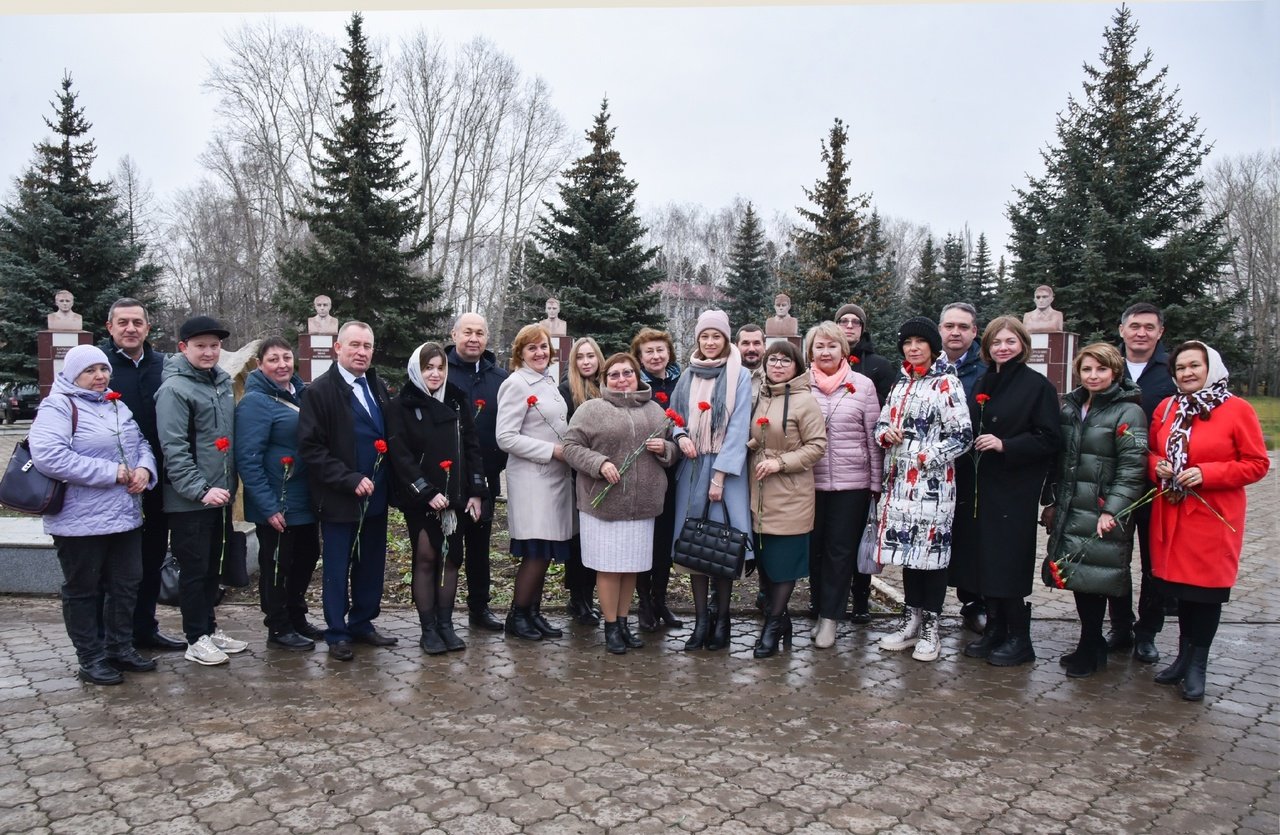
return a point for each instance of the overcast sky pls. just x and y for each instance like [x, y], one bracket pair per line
[947, 105]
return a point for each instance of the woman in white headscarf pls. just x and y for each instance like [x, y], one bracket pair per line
[1206, 446]
[436, 461]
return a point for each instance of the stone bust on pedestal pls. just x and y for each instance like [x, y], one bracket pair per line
[64, 319]
[1044, 319]
[553, 323]
[782, 323]
[322, 322]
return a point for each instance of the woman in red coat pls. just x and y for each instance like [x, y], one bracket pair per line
[1206, 446]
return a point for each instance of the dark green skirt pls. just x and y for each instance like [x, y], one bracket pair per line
[783, 558]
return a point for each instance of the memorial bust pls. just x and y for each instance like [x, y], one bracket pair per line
[63, 319]
[782, 323]
[1044, 319]
[322, 322]
[553, 323]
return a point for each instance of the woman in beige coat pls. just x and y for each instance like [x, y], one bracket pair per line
[788, 436]
[530, 424]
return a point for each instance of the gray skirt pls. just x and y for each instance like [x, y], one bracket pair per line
[621, 547]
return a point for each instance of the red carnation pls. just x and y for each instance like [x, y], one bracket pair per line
[287, 461]
[1120, 430]
[849, 388]
[912, 475]
[480, 403]
[661, 397]
[223, 444]
[764, 421]
[704, 405]
[115, 395]
[922, 457]
[532, 401]
[380, 446]
[982, 399]
[446, 465]
[854, 360]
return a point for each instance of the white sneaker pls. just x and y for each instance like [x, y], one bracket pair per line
[907, 634]
[204, 652]
[824, 635]
[226, 643]
[929, 647]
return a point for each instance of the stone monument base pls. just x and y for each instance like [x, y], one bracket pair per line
[51, 349]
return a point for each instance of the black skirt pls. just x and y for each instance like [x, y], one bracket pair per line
[1196, 594]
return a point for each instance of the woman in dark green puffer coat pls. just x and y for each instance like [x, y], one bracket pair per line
[1101, 471]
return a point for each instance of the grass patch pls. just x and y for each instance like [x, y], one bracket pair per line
[1268, 409]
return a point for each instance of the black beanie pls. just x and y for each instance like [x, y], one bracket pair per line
[923, 327]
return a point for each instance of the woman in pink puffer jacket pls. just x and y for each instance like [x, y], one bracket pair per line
[845, 479]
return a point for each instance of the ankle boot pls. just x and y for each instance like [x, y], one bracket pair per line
[630, 640]
[861, 613]
[613, 640]
[1089, 657]
[720, 634]
[444, 625]
[698, 640]
[645, 617]
[431, 642]
[520, 624]
[663, 614]
[907, 633]
[993, 635]
[1017, 648]
[770, 635]
[1192, 685]
[542, 624]
[929, 646]
[1175, 671]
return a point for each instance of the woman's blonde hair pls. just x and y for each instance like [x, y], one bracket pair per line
[1105, 354]
[580, 387]
[526, 335]
[831, 331]
[1005, 323]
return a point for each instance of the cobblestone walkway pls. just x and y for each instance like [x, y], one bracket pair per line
[562, 738]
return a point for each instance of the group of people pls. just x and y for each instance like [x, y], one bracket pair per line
[938, 462]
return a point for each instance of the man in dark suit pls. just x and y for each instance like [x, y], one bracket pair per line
[136, 369]
[1146, 362]
[341, 436]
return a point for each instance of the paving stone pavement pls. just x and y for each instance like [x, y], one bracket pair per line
[560, 737]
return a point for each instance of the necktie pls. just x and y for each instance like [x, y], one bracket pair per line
[370, 404]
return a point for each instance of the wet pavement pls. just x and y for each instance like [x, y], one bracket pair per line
[560, 737]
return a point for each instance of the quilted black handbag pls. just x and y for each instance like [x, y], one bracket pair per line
[27, 490]
[713, 548]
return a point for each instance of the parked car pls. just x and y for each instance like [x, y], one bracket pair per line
[20, 401]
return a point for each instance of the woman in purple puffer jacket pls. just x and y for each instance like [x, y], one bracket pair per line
[86, 436]
[845, 479]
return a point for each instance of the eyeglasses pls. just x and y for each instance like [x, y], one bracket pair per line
[849, 320]
[624, 374]
[779, 359]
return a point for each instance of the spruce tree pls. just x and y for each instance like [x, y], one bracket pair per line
[955, 270]
[984, 293]
[362, 218]
[926, 297]
[590, 252]
[1119, 214]
[63, 230]
[748, 283]
[873, 286]
[827, 251]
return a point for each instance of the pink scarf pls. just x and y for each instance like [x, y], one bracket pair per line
[828, 383]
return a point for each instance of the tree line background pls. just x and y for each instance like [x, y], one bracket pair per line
[415, 180]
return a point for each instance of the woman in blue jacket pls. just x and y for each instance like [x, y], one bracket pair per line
[276, 495]
[86, 436]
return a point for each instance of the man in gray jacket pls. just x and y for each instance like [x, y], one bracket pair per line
[195, 418]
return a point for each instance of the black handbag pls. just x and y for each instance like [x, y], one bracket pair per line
[27, 490]
[713, 548]
[170, 577]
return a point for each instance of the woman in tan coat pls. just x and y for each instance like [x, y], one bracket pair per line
[530, 424]
[788, 436]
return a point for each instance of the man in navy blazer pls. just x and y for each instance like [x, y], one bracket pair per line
[341, 437]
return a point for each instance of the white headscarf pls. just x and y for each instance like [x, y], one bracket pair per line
[415, 372]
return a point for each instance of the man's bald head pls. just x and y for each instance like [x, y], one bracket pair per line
[470, 336]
